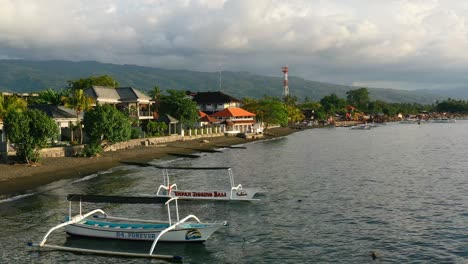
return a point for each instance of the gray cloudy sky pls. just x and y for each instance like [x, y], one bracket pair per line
[401, 44]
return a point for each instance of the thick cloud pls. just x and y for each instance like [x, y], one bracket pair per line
[397, 44]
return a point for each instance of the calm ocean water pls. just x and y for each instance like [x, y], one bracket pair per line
[335, 195]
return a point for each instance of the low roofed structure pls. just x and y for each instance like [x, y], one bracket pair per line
[212, 102]
[126, 99]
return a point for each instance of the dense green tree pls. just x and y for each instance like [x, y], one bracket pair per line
[315, 106]
[268, 110]
[30, 131]
[105, 123]
[273, 111]
[85, 83]
[156, 128]
[377, 106]
[252, 105]
[294, 114]
[79, 102]
[332, 104]
[10, 104]
[358, 98]
[452, 106]
[180, 106]
[290, 100]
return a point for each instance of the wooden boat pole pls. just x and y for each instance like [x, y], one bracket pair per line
[114, 253]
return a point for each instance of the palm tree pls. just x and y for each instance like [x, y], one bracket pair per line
[79, 102]
[11, 103]
[155, 95]
[49, 96]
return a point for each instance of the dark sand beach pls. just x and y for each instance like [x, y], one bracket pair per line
[19, 178]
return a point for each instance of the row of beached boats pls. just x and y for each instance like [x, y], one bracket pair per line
[99, 224]
[419, 121]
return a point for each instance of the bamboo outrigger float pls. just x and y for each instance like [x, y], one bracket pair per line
[130, 229]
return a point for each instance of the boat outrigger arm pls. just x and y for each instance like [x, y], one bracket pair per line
[235, 193]
[115, 199]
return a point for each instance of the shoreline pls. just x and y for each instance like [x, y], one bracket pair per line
[21, 178]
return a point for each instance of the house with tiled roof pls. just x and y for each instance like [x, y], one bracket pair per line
[205, 120]
[126, 99]
[64, 117]
[212, 102]
[236, 120]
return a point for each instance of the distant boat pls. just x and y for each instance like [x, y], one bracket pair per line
[410, 121]
[443, 120]
[361, 127]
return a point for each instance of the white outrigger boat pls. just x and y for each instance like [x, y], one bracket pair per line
[235, 193]
[111, 227]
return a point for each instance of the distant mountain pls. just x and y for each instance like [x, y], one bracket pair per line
[32, 76]
[455, 93]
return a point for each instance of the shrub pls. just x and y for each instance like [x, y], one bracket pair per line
[156, 128]
[91, 150]
[135, 133]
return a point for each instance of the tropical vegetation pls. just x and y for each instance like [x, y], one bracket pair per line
[78, 101]
[177, 104]
[29, 131]
[104, 123]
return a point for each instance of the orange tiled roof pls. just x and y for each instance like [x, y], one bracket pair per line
[233, 111]
[208, 118]
[201, 114]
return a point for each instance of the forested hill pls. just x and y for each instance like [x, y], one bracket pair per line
[31, 76]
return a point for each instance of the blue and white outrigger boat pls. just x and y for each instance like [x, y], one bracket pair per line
[99, 224]
[234, 193]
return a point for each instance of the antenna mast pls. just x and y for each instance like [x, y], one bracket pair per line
[285, 70]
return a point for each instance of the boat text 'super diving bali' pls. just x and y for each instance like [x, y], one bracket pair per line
[170, 189]
[234, 193]
[99, 224]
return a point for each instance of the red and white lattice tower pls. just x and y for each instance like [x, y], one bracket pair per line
[285, 82]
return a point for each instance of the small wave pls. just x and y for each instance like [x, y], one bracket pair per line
[86, 178]
[17, 197]
[263, 140]
[169, 161]
[91, 176]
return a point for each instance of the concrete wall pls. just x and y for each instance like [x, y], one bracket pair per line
[70, 151]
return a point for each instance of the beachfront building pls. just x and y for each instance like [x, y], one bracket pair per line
[171, 123]
[236, 120]
[126, 99]
[65, 118]
[205, 120]
[212, 102]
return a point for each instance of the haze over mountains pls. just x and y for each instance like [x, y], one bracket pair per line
[33, 76]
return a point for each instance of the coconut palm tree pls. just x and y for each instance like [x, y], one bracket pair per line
[11, 103]
[79, 102]
[49, 96]
[155, 95]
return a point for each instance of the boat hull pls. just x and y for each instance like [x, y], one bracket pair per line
[223, 195]
[191, 232]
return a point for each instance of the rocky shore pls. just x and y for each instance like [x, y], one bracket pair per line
[19, 178]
